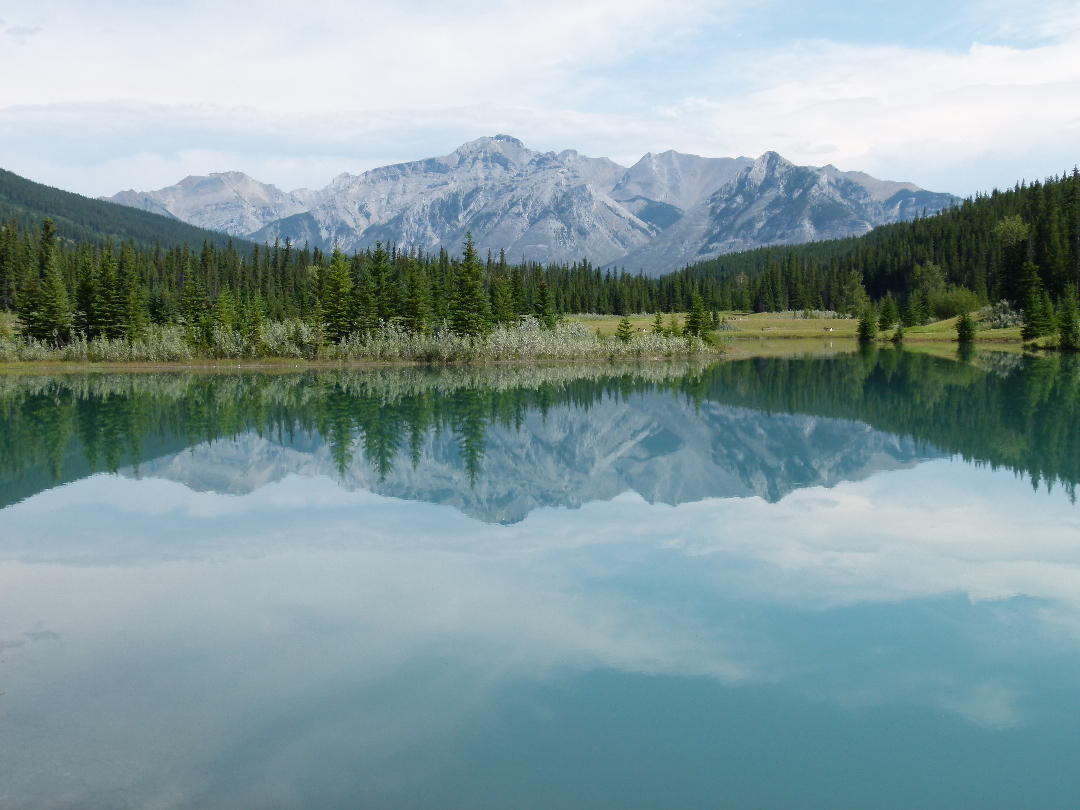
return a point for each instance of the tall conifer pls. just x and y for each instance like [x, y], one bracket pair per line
[472, 310]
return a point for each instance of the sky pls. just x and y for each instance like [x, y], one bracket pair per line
[105, 95]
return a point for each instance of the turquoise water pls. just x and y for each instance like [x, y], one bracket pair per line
[846, 582]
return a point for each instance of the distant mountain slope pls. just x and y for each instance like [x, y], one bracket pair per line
[775, 202]
[541, 205]
[82, 218]
[661, 188]
[230, 202]
[667, 210]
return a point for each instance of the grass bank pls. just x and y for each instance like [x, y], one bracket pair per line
[748, 327]
[296, 342]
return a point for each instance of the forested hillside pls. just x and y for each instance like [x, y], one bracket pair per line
[84, 219]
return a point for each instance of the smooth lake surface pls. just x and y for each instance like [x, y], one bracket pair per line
[819, 582]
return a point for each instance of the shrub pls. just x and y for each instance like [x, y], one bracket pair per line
[952, 301]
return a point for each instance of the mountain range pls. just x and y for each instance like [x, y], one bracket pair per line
[665, 211]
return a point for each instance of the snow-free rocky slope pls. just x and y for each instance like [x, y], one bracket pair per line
[665, 211]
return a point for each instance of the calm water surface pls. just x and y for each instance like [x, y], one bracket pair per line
[846, 582]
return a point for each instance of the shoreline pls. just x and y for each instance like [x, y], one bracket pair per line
[742, 348]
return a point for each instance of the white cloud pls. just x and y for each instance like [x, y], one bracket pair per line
[142, 94]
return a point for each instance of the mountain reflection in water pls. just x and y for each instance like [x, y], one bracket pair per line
[499, 442]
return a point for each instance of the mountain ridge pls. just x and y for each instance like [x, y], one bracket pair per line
[667, 210]
[85, 219]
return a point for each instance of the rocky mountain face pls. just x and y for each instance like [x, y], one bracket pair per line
[774, 202]
[665, 211]
[230, 202]
[664, 449]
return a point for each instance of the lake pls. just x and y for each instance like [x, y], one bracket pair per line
[846, 581]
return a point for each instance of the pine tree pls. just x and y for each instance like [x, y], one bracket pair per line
[417, 301]
[696, 319]
[658, 324]
[108, 301]
[890, 313]
[367, 305]
[502, 305]
[1038, 314]
[915, 312]
[1069, 321]
[867, 329]
[192, 299]
[51, 319]
[133, 318]
[224, 311]
[517, 291]
[381, 275]
[85, 294]
[337, 303]
[545, 307]
[624, 332]
[472, 309]
[965, 328]
[673, 326]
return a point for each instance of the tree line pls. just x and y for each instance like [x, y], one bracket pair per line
[60, 288]
[1021, 245]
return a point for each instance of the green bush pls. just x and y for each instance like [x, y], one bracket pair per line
[952, 301]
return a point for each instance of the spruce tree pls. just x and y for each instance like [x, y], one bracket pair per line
[192, 299]
[965, 328]
[337, 304]
[890, 313]
[1038, 314]
[85, 294]
[867, 328]
[52, 318]
[915, 311]
[224, 311]
[696, 319]
[658, 324]
[417, 301]
[367, 305]
[517, 291]
[472, 309]
[544, 309]
[502, 305]
[134, 316]
[382, 277]
[108, 301]
[1069, 321]
[624, 332]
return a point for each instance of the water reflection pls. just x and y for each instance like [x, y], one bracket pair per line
[500, 442]
[268, 610]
